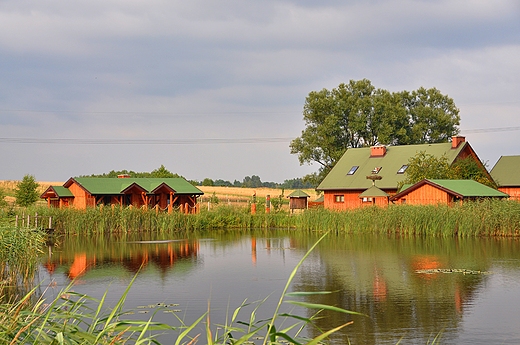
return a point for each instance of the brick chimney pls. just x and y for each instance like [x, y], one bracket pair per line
[377, 151]
[456, 141]
[123, 176]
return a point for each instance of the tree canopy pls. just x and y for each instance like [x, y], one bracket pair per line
[357, 115]
[160, 172]
[26, 192]
[426, 166]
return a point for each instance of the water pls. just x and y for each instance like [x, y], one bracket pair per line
[402, 284]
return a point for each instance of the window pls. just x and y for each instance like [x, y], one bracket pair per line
[376, 170]
[367, 199]
[353, 170]
[402, 169]
[339, 198]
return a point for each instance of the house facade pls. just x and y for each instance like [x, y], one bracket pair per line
[505, 174]
[445, 192]
[370, 175]
[163, 193]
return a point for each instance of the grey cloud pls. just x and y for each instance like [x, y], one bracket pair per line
[231, 69]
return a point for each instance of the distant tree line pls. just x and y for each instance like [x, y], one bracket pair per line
[253, 181]
[160, 172]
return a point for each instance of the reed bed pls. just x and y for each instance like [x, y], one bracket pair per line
[20, 250]
[484, 218]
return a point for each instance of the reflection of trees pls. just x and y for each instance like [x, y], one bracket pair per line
[377, 277]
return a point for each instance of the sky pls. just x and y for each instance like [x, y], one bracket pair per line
[215, 89]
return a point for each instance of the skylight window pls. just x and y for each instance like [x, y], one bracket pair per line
[402, 169]
[353, 170]
[376, 170]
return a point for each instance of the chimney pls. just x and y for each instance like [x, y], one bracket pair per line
[123, 176]
[456, 141]
[377, 151]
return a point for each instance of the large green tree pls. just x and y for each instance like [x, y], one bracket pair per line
[26, 192]
[357, 114]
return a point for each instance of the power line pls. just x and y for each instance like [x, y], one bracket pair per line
[198, 141]
[147, 113]
[490, 130]
[194, 141]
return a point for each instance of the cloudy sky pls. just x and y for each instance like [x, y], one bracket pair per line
[216, 88]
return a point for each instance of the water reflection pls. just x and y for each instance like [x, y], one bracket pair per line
[402, 284]
[134, 256]
[382, 278]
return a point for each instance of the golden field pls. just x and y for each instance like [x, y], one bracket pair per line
[248, 192]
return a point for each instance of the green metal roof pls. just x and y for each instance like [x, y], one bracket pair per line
[390, 163]
[320, 199]
[506, 171]
[373, 192]
[469, 188]
[462, 188]
[298, 194]
[111, 186]
[62, 192]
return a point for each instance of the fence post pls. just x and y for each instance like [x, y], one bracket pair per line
[36, 220]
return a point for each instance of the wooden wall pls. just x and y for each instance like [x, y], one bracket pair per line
[82, 199]
[298, 203]
[426, 195]
[351, 200]
[513, 192]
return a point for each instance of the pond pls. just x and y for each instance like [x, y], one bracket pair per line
[463, 291]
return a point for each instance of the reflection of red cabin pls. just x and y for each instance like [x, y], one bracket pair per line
[79, 266]
[165, 193]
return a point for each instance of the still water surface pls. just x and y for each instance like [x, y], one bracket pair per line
[393, 280]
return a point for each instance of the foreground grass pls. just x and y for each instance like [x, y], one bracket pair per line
[486, 218]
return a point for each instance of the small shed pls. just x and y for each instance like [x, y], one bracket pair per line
[374, 196]
[432, 192]
[298, 200]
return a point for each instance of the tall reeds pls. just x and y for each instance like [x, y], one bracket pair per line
[484, 218]
[20, 249]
